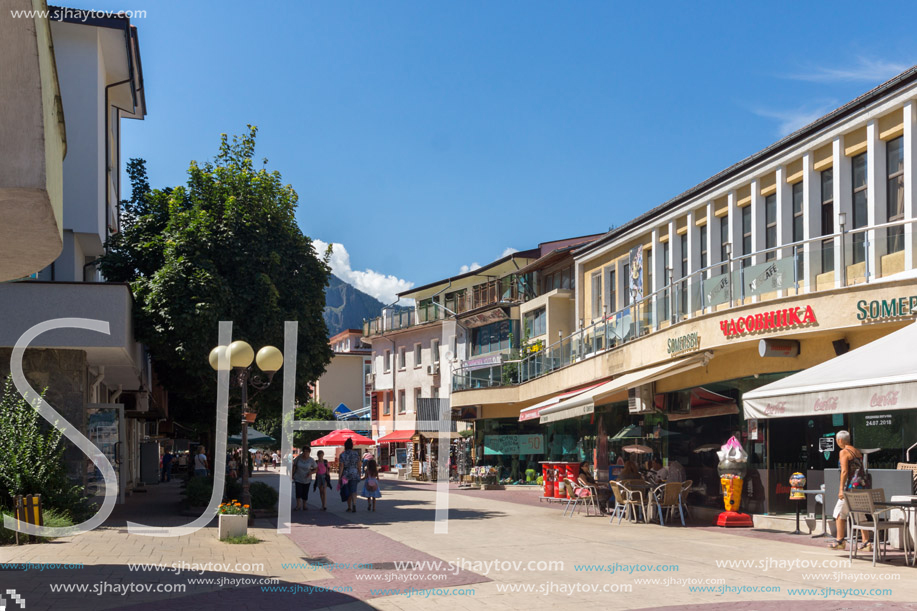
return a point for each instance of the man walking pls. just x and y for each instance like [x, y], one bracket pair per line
[850, 459]
[167, 466]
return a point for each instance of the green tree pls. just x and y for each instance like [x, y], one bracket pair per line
[224, 246]
[32, 457]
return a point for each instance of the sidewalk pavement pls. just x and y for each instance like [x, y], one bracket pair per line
[483, 528]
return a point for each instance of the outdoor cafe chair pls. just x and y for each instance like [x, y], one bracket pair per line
[668, 497]
[685, 489]
[627, 501]
[580, 492]
[864, 516]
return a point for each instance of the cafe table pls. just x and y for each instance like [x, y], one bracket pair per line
[907, 506]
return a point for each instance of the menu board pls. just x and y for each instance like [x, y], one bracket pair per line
[511, 445]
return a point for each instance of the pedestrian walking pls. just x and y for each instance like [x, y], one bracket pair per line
[201, 466]
[167, 466]
[853, 477]
[371, 485]
[258, 460]
[349, 475]
[322, 478]
[303, 468]
[233, 467]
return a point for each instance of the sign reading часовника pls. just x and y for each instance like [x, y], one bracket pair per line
[768, 321]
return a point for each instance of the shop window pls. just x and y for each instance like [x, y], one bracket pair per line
[596, 295]
[860, 206]
[827, 220]
[770, 226]
[894, 156]
[746, 235]
[536, 323]
[798, 219]
[724, 243]
[703, 246]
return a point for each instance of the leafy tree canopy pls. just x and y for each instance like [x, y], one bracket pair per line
[224, 246]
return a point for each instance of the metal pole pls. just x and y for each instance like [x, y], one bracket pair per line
[246, 498]
[729, 274]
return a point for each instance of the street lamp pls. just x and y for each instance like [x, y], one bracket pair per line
[239, 356]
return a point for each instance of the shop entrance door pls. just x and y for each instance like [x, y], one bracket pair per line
[105, 428]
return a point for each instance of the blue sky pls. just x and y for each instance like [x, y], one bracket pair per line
[427, 136]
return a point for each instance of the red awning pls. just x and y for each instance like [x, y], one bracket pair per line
[397, 437]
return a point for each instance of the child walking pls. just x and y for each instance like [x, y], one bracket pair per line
[371, 485]
[322, 479]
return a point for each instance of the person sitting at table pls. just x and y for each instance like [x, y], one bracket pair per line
[675, 472]
[603, 493]
[630, 471]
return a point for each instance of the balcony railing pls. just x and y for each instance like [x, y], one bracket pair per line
[394, 320]
[803, 267]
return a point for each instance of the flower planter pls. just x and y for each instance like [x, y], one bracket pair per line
[250, 417]
[233, 526]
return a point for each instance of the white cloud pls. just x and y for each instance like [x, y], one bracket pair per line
[469, 268]
[383, 287]
[864, 70]
[508, 251]
[788, 121]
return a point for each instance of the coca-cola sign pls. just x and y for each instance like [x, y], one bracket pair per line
[884, 400]
[773, 409]
[828, 404]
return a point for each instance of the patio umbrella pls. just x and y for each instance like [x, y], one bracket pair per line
[254, 438]
[638, 449]
[631, 431]
[337, 438]
[706, 447]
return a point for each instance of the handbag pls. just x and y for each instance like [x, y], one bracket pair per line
[861, 478]
[371, 484]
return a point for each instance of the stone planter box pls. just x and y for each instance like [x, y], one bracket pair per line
[233, 526]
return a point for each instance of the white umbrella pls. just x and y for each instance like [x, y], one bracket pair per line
[638, 449]
[707, 447]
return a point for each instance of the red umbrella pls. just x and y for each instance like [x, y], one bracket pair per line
[337, 438]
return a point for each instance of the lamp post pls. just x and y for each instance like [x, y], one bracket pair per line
[240, 356]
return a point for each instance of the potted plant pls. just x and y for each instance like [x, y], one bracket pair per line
[233, 519]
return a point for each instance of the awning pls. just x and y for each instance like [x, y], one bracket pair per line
[584, 404]
[878, 377]
[534, 411]
[402, 436]
[436, 435]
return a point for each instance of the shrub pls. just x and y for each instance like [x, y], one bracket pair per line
[52, 517]
[198, 491]
[32, 458]
[263, 496]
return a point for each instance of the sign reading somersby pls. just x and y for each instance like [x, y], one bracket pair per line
[683, 343]
[886, 308]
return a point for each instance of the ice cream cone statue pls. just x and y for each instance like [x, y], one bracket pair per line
[732, 467]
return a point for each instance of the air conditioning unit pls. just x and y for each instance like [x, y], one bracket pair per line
[433, 370]
[640, 399]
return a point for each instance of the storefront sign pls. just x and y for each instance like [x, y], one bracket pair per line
[888, 399]
[691, 341]
[753, 429]
[879, 420]
[826, 404]
[484, 361]
[485, 318]
[826, 444]
[717, 289]
[769, 321]
[769, 277]
[512, 445]
[886, 308]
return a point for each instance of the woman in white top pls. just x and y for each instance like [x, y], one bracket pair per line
[201, 466]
